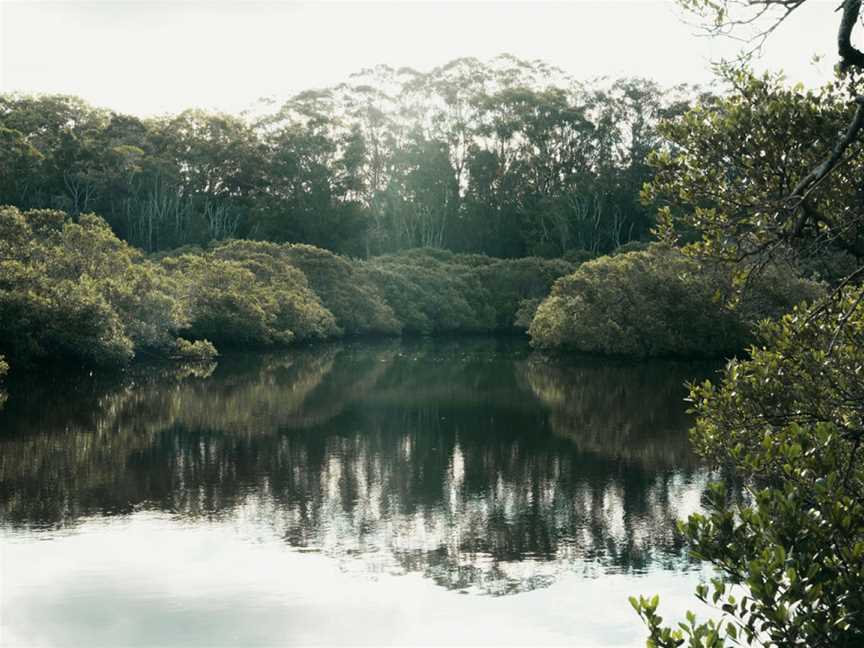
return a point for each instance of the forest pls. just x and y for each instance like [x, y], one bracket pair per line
[611, 217]
[397, 202]
[507, 158]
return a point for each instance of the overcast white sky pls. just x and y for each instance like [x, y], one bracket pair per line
[147, 57]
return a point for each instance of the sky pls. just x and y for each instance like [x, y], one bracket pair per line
[146, 57]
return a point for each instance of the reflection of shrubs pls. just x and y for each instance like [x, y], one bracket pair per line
[659, 302]
[623, 411]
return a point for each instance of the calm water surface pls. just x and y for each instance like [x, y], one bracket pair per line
[400, 492]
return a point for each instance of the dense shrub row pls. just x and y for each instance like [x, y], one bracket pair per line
[658, 302]
[71, 290]
[435, 291]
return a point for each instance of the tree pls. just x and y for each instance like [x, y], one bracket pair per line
[773, 171]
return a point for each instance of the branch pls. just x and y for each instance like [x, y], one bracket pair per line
[811, 180]
[850, 56]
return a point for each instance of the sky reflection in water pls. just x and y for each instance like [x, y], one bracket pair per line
[348, 494]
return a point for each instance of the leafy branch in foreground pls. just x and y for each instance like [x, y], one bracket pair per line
[790, 553]
[770, 171]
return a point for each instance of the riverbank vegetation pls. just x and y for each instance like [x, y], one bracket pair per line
[660, 302]
[500, 197]
[399, 202]
[71, 290]
[772, 173]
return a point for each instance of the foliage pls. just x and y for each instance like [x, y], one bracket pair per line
[4, 369]
[435, 291]
[659, 302]
[430, 295]
[791, 555]
[198, 351]
[505, 157]
[250, 293]
[299, 308]
[513, 284]
[71, 290]
[769, 171]
[50, 303]
[225, 303]
[729, 165]
[356, 303]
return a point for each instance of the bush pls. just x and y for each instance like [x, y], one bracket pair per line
[198, 351]
[788, 421]
[631, 246]
[146, 299]
[71, 289]
[659, 303]
[578, 256]
[347, 293]
[299, 309]
[4, 369]
[513, 284]
[430, 295]
[225, 304]
[435, 291]
[53, 302]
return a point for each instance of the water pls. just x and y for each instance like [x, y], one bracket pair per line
[401, 492]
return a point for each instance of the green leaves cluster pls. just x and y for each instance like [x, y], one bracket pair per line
[790, 552]
[659, 302]
[247, 294]
[434, 291]
[726, 170]
[63, 291]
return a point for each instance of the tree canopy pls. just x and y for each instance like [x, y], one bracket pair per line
[505, 157]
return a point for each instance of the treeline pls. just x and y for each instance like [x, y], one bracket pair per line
[70, 289]
[506, 158]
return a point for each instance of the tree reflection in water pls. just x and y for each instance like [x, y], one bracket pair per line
[476, 463]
